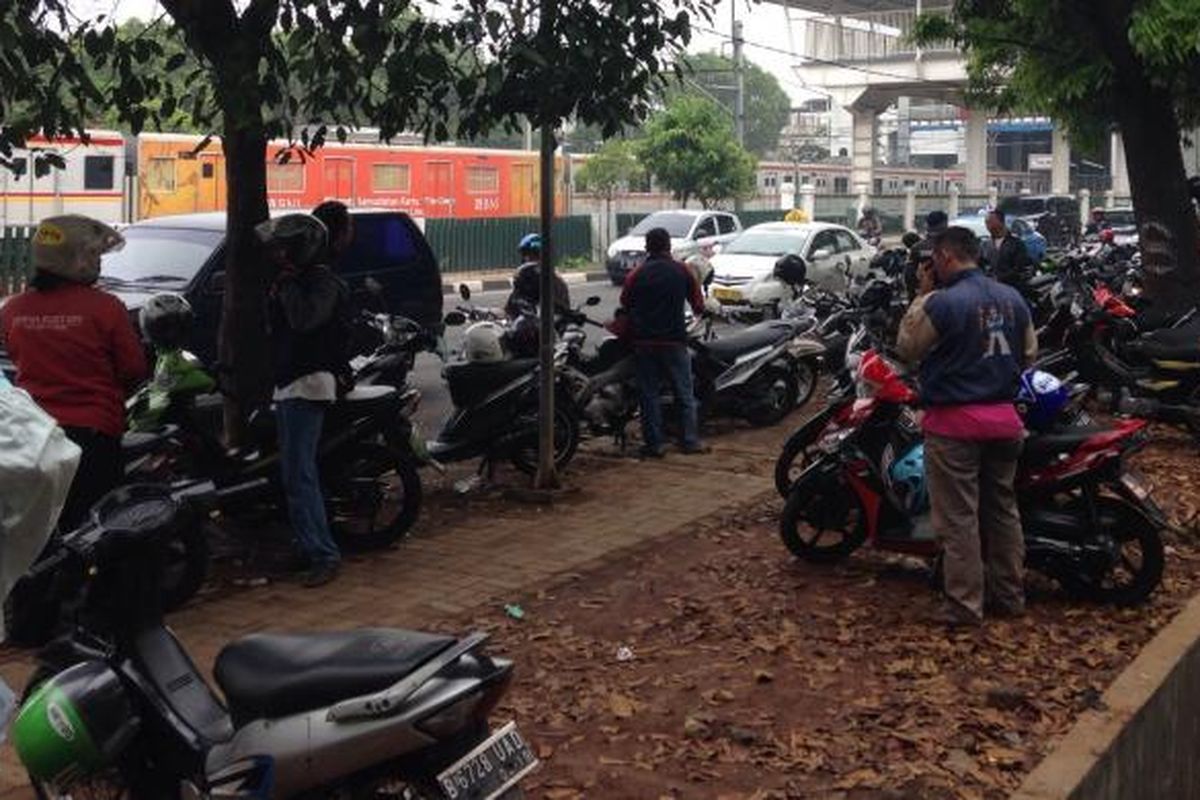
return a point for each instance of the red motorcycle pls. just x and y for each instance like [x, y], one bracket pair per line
[1089, 522]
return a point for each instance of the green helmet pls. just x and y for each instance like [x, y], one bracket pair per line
[74, 724]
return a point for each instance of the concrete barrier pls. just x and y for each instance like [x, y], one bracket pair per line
[1145, 743]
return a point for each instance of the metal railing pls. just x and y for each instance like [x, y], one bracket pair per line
[874, 36]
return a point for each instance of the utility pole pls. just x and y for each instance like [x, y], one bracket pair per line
[739, 71]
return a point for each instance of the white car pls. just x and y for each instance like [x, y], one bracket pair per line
[832, 254]
[689, 229]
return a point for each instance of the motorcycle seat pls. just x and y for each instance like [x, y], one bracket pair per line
[272, 675]
[1042, 447]
[1169, 344]
[764, 334]
[368, 394]
[471, 381]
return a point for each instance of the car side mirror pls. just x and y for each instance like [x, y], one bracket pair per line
[455, 318]
[464, 291]
[216, 283]
[594, 300]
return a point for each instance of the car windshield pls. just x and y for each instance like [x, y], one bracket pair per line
[160, 256]
[678, 225]
[1023, 206]
[767, 243]
[1123, 218]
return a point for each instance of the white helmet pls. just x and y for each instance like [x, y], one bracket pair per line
[483, 344]
[70, 246]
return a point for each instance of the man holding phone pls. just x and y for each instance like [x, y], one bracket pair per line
[971, 336]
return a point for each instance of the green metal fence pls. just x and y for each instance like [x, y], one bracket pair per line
[14, 258]
[472, 244]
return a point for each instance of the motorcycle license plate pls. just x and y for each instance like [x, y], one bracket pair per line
[727, 295]
[490, 769]
[1136, 484]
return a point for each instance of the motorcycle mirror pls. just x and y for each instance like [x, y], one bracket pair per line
[455, 318]
[594, 300]
[464, 291]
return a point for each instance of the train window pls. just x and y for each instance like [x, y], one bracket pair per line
[17, 166]
[390, 178]
[98, 172]
[285, 177]
[483, 180]
[160, 174]
[206, 170]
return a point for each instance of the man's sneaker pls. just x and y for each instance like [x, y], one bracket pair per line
[321, 575]
[695, 449]
[955, 618]
[646, 451]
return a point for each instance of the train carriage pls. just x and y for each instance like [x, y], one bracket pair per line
[91, 182]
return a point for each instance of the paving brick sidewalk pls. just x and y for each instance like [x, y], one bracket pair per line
[465, 554]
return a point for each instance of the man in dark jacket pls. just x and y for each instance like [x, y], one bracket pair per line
[1010, 261]
[527, 281]
[971, 337]
[654, 294]
[309, 333]
[922, 251]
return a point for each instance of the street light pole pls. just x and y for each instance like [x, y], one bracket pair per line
[739, 71]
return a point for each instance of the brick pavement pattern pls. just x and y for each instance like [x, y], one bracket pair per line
[465, 554]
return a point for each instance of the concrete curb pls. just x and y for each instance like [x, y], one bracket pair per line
[500, 284]
[1142, 742]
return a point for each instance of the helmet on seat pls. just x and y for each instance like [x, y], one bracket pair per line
[792, 270]
[907, 477]
[1040, 399]
[166, 321]
[482, 343]
[302, 237]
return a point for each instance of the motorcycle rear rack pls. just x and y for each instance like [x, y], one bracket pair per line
[390, 700]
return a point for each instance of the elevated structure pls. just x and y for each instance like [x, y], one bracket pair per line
[860, 53]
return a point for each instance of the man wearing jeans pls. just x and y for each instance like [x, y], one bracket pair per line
[309, 346]
[654, 295]
[971, 335]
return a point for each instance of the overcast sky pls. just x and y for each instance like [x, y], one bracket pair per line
[765, 24]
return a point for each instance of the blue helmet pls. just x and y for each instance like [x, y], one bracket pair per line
[530, 242]
[907, 475]
[1040, 399]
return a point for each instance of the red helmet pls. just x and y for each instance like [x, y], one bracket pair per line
[883, 381]
[1107, 236]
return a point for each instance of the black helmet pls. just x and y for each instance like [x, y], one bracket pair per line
[166, 321]
[792, 270]
[876, 296]
[302, 236]
[523, 334]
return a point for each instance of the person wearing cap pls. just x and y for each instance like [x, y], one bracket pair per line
[527, 280]
[922, 252]
[76, 351]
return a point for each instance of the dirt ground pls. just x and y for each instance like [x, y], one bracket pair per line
[715, 665]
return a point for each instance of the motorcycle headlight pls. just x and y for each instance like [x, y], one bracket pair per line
[832, 442]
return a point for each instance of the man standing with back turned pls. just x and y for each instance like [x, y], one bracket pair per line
[654, 294]
[972, 335]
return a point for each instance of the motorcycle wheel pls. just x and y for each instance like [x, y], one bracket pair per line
[795, 458]
[1131, 580]
[774, 392]
[823, 527]
[374, 498]
[185, 566]
[806, 381]
[566, 440]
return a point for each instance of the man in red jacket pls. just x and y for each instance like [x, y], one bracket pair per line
[76, 351]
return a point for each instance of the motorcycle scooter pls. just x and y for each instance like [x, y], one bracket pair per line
[117, 707]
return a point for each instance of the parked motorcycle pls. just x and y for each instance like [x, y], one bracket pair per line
[1089, 521]
[118, 709]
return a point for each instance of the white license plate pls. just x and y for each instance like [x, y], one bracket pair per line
[490, 769]
[727, 295]
[1136, 484]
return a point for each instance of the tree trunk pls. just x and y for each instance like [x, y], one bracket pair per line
[243, 346]
[1161, 202]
